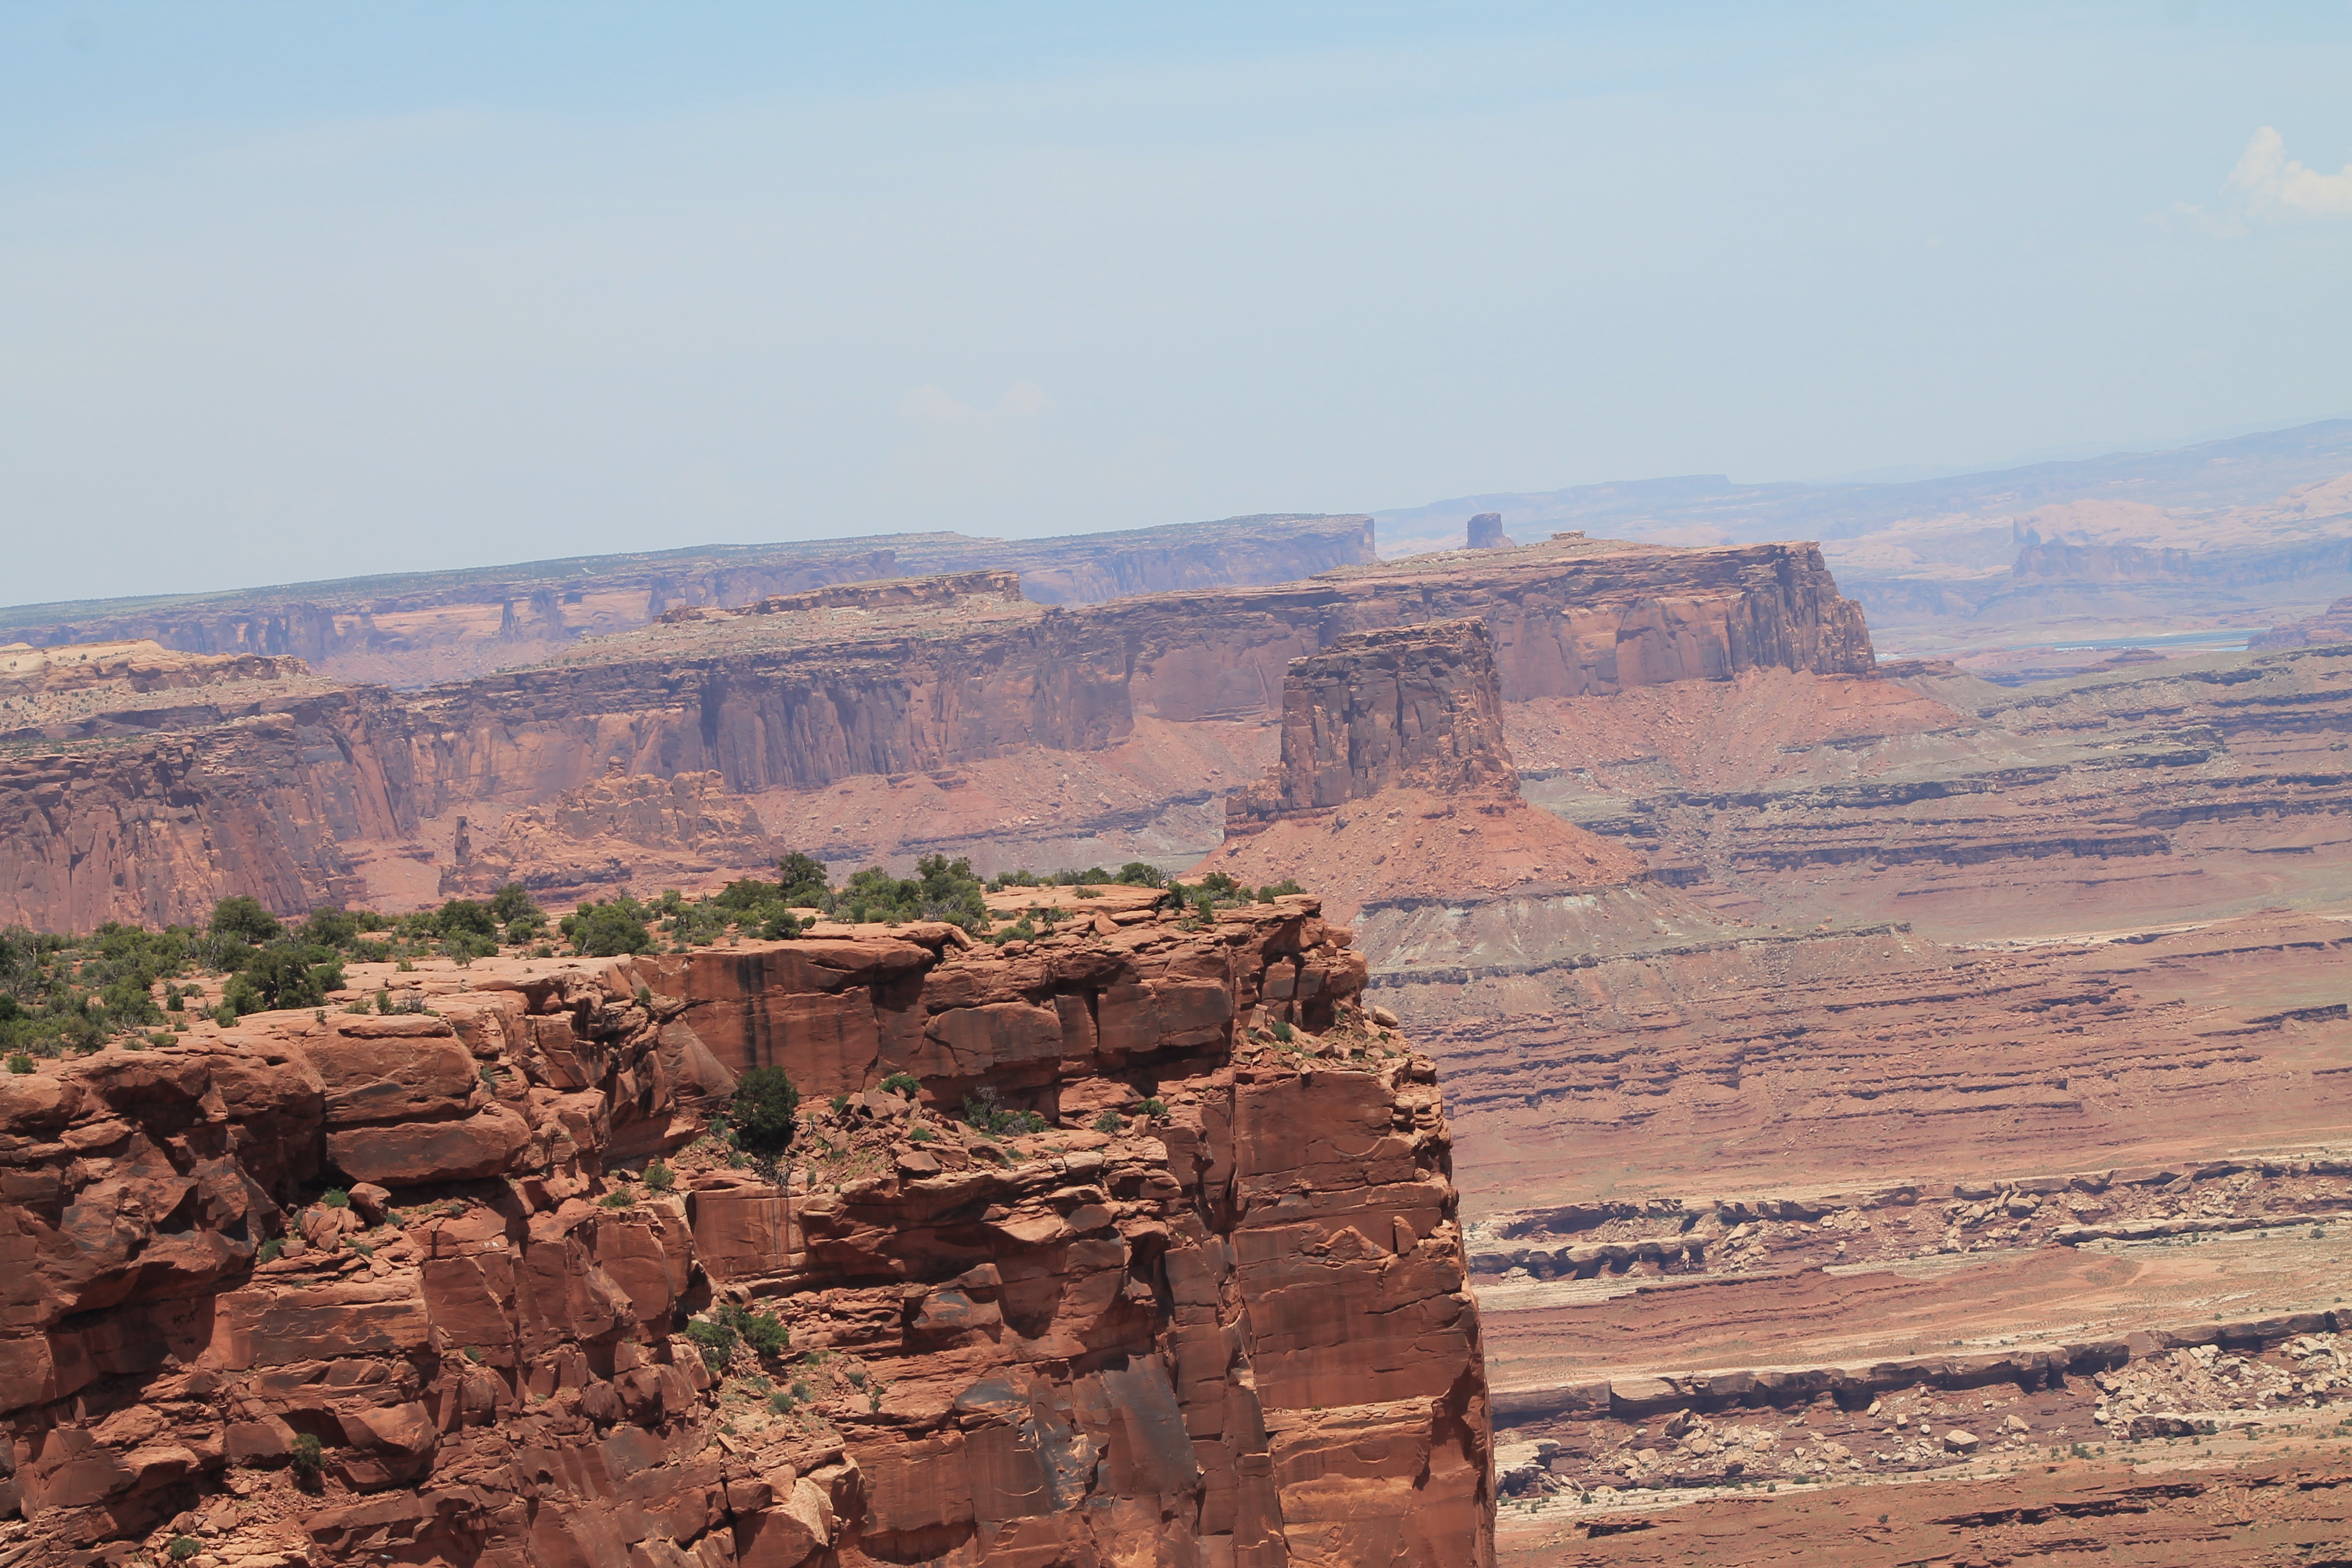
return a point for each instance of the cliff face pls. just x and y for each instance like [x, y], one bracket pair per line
[797, 701]
[262, 797]
[1235, 1331]
[679, 829]
[409, 630]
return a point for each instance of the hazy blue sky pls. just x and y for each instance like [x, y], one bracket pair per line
[292, 291]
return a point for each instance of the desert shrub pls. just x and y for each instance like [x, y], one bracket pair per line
[464, 915]
[983, 1114]
[269, 1251]
[1153, 1107]
[1110, 1121]
[239, 997]
[608, 929]
[1281, 889]
[19, 1062]
[1282, 1031]
[244, 920]
[803, 881]
[1021, 930]
[328, 927]
[183, 1547]
[763, 1332]
[716, 1341]
[903, 1084]
[512, 905]
[940, 889]
[618, 1200]
[285, 976]
[335, 1198]
[762, 1115]
[659, 1178]
[308, 1458]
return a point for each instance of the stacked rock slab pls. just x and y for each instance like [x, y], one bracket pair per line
[1235, 1332]
[1485, 531]
[1396, 788]
[1412, 709]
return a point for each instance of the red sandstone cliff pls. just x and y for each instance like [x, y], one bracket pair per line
[1238, 1333]
[275, 797]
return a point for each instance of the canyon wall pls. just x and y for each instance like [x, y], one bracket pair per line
[409, 629]
[772, 706]
[1211, 1309]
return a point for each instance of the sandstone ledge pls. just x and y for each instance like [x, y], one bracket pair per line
[1241, 1323]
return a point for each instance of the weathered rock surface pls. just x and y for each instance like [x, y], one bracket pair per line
[353, 794]
[1235, 1329]
[407, 630]
[625, 826]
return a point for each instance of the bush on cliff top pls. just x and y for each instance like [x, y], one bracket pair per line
[608, 929]
[940, 889]
[1134, 874]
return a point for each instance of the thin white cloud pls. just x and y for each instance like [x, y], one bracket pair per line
[2273, 184]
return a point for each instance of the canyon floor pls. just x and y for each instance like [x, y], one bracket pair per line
[1946, 1156]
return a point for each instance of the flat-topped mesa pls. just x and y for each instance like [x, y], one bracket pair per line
[1164, 1288]
[2332, 625]
[1416, 708]
[134, 666]
[889, 592]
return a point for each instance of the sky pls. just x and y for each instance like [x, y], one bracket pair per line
[301, 290]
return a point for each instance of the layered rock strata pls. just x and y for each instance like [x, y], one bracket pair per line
[624, 828]
[1214, 1311]
[316, 797]
[407, 630]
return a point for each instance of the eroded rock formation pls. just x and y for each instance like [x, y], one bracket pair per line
[1486, 532]
[1215, 1311]
[311, 797]
[1395, 786]
[622, 828]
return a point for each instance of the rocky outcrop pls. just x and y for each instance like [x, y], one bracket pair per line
[1416, 709]
[889, 594]
[1486, 532]
[622, 827]
[2333, 624]
[1213, 1310]
[1396, 788]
